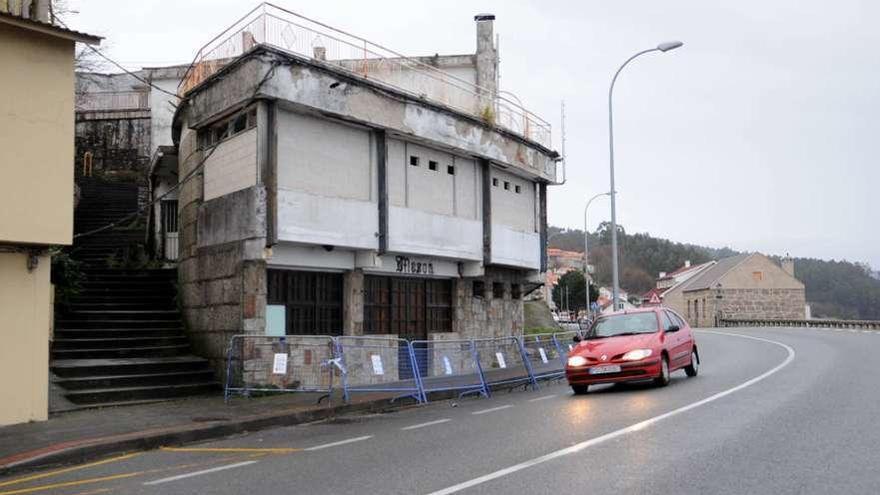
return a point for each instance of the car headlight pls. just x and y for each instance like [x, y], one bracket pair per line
[636, 354]
[577, 361]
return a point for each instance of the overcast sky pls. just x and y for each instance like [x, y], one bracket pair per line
[760, 133]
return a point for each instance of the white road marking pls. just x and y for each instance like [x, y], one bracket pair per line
[536, 399]
[491, 409]
[341, 442]
[852, 331]
[629, 429]
[837, 329]
[429, 423]
[199, 473]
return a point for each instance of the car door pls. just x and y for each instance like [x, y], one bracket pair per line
[678, 348]
[687, 333]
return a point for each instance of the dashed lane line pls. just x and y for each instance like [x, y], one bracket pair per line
[491, 409]
[536, 399]
[429, 423]
[336, 444]
[199, 473]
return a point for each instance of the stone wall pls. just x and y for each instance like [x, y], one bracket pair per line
[487, 316]
[120, 144]
[770, 304]
[222, 266]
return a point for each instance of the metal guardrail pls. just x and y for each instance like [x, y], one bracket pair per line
[281, 28]
[811, 323]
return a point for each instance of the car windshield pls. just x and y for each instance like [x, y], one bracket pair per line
[626, 324]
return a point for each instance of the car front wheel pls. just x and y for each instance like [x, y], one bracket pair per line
[580, 389]
[692, 369]
[663, 379]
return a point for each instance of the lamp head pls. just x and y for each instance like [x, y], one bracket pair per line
[669, 45]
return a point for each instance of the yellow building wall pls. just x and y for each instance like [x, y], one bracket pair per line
[25, 319]
[36, 137]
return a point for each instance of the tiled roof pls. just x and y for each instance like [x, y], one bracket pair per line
[49, 28]
[710, 276]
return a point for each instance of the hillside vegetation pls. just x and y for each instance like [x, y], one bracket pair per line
[835, 289]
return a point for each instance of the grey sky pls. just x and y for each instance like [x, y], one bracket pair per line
[759, 134]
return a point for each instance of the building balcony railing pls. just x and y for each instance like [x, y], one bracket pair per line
[112, 100]
[281, 28]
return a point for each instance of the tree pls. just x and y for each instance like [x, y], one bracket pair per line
[572, 285]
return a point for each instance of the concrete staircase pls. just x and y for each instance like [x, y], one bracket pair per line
[121, 339]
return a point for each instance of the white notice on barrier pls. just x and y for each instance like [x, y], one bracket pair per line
[543, 354]
[570, 347]
[447, 366]
[377, 364]
[501, 362]
[279, 364]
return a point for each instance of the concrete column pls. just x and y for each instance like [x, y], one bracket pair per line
[486, 172]
[353, 303]
[487, 63]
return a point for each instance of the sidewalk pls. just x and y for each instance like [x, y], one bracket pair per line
[87, 434]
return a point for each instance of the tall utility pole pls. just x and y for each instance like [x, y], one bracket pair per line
[615, 277]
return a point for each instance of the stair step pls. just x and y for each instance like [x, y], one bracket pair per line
[110, 323]
[98, 395]
[110, 333]
[135, 380]
[111, 343]
[121, 352]
[69, 368]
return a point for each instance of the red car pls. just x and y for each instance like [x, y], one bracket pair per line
[633, 345]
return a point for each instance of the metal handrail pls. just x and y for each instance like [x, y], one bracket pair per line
[258, 25]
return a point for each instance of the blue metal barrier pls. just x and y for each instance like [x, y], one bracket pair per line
[291, 363]
[378, 364]
[449, 365]
[545, 356]
[504, 362]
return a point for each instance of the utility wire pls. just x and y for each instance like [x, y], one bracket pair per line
[117, 64]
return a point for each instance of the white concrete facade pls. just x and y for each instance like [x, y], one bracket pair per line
[232, 166]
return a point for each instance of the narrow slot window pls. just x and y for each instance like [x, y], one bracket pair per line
[495, 181]
[450, 170]
[414, 161]
[506, 186]
[432, 165]
[518, 189]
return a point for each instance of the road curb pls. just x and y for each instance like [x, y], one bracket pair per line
[78, 451]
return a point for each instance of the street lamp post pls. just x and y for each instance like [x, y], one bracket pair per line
[587, 276]
[615, 277]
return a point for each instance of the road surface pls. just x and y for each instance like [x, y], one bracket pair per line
[773, 411]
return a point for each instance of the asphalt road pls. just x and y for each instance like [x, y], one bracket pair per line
[773, 411]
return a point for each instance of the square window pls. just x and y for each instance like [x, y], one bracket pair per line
[498, 290]
[506, 186]
[414, 161]
[450, 170]
[515, 291]
[518, 189]
[479, 289]
[495, 181]
[432, 165]
[758, 276]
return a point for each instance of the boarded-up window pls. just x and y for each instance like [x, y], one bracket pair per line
[408, 307]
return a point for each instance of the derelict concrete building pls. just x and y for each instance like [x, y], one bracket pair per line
[331, 186]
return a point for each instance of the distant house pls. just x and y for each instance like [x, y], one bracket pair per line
[743, 286]
[669, 285]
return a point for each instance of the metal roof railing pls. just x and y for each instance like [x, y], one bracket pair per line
[278, 27]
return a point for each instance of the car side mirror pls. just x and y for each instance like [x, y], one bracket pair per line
[576, 338]
[673, 328]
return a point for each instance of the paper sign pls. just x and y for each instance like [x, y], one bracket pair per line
[501, 362]
[543, 354]
[377, 364]
[279, 364]
[447, 366]
[570, 347]
[275, 320]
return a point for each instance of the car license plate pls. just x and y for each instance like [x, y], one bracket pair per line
[601, 370]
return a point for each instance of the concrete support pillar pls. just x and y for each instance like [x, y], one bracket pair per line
[353, 303]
